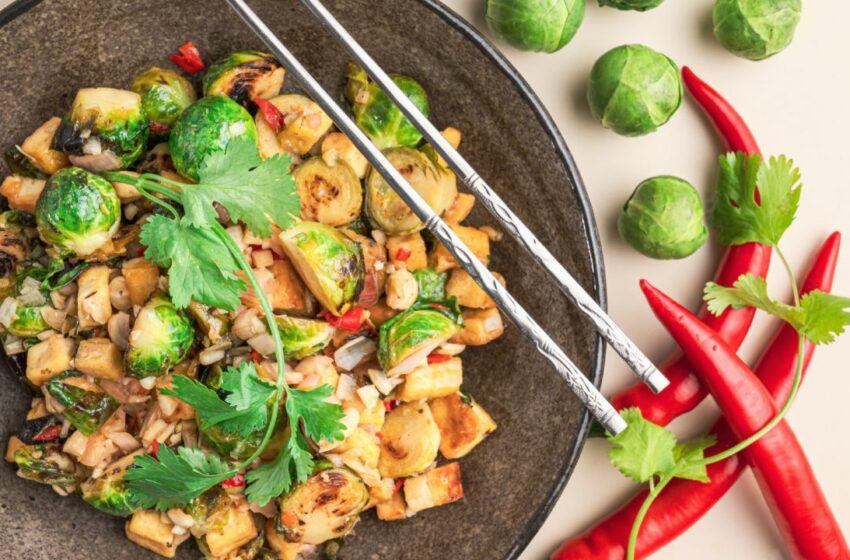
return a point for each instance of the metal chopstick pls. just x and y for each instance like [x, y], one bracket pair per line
[590, 396]
[631, 354]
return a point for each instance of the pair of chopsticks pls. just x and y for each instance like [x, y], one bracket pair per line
[590, 396]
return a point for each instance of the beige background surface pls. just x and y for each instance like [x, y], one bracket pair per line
[797, 104]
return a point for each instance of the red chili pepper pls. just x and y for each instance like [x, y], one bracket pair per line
[188, 58]
[438, 358]
[271, 114]
[685, 391]
[684, 502]
[288, 519]
[49, 433]
[154, 448]
[234, 481]
[778, 461]
[349, 321]
[256, 357]
[390, 405]
[397, 485]
[402, 254]
[159, 128]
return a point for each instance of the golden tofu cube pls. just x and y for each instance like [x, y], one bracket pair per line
[239, 530]
[147, 530]
[480, 326]
[463, 424]
[393, 509]
[93, 305]
[411, 248]
[477, 241]
[468, 293]
[48, 359]
[100, 358]
[431, 381]
[142, 278]
[37, 148]
[290, 294]
[436, 487]
[22, 192]
[460, 208]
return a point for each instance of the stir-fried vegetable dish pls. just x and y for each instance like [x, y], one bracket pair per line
[234, 329]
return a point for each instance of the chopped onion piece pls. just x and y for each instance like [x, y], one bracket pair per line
[354, 352]
[451, 349]
[345, 387]
[383, 383]
[262, 343]
[369, 395]
[8, 310]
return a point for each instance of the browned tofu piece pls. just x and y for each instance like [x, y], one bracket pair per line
[468, 293]
[393, 509]
[13, 445]
[37, 148]
[48, 359]
[431, 381]
[147, 529]
[290, 294]
[477, 241]
[380, 313]
[284, 549]
[93, 305]
[463, 424]
[142, 278]
[480, 326]
[460, 208]
[22, 192]
[411, 247]
[238, 530]
[436, 487]
[100, 358]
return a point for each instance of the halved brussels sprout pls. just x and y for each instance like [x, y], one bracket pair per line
[325, 506]
[160, 339]
[110, 493]
[377, 115]
[411, 439]
[388, 212]
[105, 129]
[209, 510]
[165, 94]
[432, 284]
[205, 127]
[19, 164]
[28, 322]
[243, 76]
[85, 404]
[405, 340]
[213, 323]
[45, 463]
[329, 195]
[305, 124]
[78, 211]
[330, 264]
[303, 337]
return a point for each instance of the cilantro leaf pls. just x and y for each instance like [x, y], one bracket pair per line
[174, 479]
[643, 450]
[749, 290]
[689, 456]
[824, 316]
[246, 388]
[321, 419]
[258, 192]
[200, 266]
[740, 215]
[272, 479]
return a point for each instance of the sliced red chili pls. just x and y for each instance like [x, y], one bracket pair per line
[438, 358]
[256, 357]
[49, 433]
[390, 405]
[288, 519]
[188, 57]
[271, 114]
[159, 128]
[234, 481]
[402, 254]
[349, 321]
[397, 485]
[154, 448]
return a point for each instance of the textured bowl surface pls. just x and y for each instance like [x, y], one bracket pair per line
[510, 481]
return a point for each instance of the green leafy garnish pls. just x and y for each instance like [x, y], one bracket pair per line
[274, 478]
[321, 419]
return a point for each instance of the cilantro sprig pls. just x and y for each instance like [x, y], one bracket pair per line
[203, 262]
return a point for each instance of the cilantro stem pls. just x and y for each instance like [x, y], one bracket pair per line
[654, 491]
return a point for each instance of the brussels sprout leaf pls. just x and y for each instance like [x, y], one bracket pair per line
[174, 479]
[270, 480]
[200, 266]
[258, 192]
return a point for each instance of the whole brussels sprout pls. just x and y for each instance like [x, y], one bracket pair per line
[663, 219]
[535, 25]
[405, 340]
[28, 322]
[633, 90]
[303, 337]
[85, 404]
[377, 115]
[207, 126]
[637, 5]
[755, 29]
[109, 493]
[165, 94]
[243, 76]
[105, 129]
[45, 463]
[78, 211]
[161, 337]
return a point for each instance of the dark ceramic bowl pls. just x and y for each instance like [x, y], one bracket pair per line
[51, 48]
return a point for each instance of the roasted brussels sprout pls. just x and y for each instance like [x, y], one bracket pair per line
[755, 29]
[325, 506]
[165, 94]
[388, 212]
[304, 124]
[213, 323]
[663, 219]
[633, 90]
[85, 404]
[637, 5]
[209, 510]
[109, 493]
[21, 165]
[206, 126]
[233, 446]
[411, 439]
[303, 337]
[78, 211]
[161, 338]
[535, 25]
[330, 264]
[432, 284]
[377, 115]
[405, 341]
[329, 195]
[244, 76]
[105, 129]
[45, 463]
[28, 322]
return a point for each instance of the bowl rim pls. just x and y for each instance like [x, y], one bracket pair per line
[489, 50]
